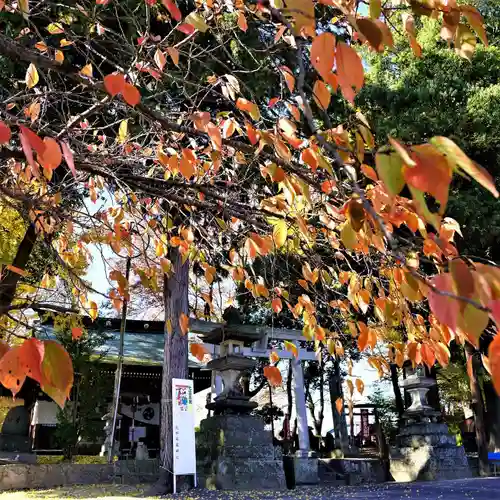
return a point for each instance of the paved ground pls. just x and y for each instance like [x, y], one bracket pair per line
[467, 489]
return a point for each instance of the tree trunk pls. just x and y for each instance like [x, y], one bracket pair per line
[478, 409]
[400, 406]
[339, 420]
[10, 279]
[175, 363]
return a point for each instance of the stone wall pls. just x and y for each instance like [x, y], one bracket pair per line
[29, 476]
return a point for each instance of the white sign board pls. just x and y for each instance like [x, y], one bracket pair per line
[183, 419]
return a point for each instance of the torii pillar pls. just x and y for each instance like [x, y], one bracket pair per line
[305, 461]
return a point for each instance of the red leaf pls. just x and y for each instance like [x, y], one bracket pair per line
[68, 156]
[494, 358]
[114, 84]
[5, 133]
[185, 28]
[31, 355]
[34, 141]
[150, 2]
[131, 95]
[173, 9]
[76, 333]
[446, 309]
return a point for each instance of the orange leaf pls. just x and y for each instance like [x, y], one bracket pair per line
[360, 386]
[52, 155]
[363, 336]
[251, 108]
[114, 84]
[350, 74]
[160, 59]
[184, 323]
[16, 270]
[369, 172]
[372, 32]
[321, 94]
[428, 355]
[273, 375]
[31, 355]
[76, 332]
[273, 357]
[327, 186]
[4, 347]
[174, 55]
[431, 173]
[288, 76]
[310, 157]
[57, 372]
[242, 21]
[12, 375]
[131, 95]
[323, 54]
[252, 134]
[339, 404]
[277, 305]
[494, 358]
[215, 136]
[198, 351]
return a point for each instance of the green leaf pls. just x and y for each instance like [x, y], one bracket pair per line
[55, 28]
[389, 169]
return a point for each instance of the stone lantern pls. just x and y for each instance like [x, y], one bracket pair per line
[233, 449]
[425, 449]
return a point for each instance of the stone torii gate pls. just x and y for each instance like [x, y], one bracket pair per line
[260, 349]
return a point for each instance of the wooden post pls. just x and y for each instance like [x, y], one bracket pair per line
[119, 369]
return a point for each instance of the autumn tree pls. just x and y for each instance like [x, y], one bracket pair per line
[224, 132]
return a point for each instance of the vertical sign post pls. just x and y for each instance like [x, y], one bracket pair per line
[183, 419]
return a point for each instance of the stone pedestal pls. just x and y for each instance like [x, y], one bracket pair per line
[306, 468]
[234, 452]
[426, 451]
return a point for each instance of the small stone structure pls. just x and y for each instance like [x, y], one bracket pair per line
[233, 449]
[426, 450]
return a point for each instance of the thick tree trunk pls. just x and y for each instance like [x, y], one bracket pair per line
[175, 362]
[10, 279]
[400, 406]
[339, 420]
[478, 409]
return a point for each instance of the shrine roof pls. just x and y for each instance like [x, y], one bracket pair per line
[140, 347]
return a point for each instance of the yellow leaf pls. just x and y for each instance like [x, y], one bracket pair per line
[350, 385]
[65, 43]
[87, 71]
[184, 323]
[32, 77]
[279, 233]
[24, 7]
[55, 28]
[123, 132]
[168, 325]
[196, 20]
[93, 310]
[291, 347]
